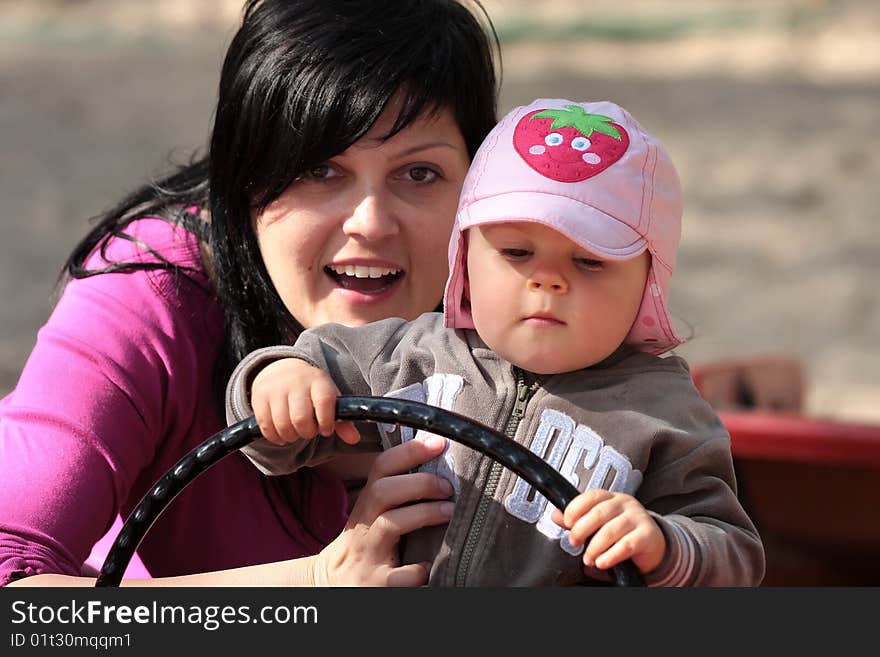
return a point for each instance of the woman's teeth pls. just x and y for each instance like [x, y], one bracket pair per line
[364, 279]
[359, 271]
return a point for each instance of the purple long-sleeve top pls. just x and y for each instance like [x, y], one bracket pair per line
[116, 390]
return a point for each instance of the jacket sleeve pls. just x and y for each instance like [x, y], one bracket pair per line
[347, 354]
[690, 489]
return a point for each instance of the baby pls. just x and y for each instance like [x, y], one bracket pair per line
[554, 324]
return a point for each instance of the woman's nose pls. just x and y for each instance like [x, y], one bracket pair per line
[547, 278]
[372, 218]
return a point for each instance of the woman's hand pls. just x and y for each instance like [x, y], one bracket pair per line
[366, 552]
[620, 527]
[293, 400]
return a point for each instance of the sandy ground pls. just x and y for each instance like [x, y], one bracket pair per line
[770, 109]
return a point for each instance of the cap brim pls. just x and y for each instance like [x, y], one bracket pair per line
[591, 228]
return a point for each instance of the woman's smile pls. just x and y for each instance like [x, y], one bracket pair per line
[364, 279]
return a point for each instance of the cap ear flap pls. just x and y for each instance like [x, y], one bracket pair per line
[456, 307]
[466, 283]
[652, 330]
[466, 296]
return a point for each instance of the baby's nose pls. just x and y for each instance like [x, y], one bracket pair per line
[548, 279]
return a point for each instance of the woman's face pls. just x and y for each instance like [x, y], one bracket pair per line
[364, 235]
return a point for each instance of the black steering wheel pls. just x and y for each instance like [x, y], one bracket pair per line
[520, 460]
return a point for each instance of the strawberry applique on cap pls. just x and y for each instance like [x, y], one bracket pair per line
[569, 145]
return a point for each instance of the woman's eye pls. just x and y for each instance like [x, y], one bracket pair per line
[319, 172]
[422, 174]
[589, 264]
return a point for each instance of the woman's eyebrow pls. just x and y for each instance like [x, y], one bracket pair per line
[424, 147]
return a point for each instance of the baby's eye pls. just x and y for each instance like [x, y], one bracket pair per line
[515, 254]
[422, 174]
[553, 139]
[589, 264]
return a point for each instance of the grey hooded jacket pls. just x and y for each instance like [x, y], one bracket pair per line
[632, 423]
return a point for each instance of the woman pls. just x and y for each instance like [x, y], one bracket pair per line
[343, 131]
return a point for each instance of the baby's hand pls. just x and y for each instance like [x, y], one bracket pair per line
[620, 527]
[293, 400]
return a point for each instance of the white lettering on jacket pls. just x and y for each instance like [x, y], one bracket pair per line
[439, 390]
[575, 444]
[576, 447]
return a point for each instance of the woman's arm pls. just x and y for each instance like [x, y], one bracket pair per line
[116, 389]
[364, 554]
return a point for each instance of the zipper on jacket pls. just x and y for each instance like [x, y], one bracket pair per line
[523, 394]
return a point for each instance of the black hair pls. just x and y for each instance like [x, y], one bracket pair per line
[306, 81]
[303, 80]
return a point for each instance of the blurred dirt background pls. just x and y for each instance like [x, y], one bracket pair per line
[770, 108]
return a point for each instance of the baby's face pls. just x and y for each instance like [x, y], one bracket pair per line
[546, 304]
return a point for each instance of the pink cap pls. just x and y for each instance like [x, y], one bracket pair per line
[590, 171]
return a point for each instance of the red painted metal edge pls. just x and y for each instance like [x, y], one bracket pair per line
[782, 437]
